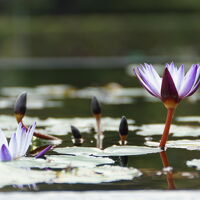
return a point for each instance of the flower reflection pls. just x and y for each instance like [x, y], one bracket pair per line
[174, 86]
[168, 169]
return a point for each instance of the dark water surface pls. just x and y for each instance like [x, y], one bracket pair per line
[141, 111]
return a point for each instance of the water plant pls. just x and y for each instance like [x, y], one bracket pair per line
[123, 130]
[96, 111]
[18, 145]
[171, 88]
[78, 140]
[20, 110]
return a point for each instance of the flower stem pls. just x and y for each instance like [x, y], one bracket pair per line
[170, 113]
[42, 136]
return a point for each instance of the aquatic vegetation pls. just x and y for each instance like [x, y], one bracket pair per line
[174, 86]
[18, 145]
[123, 130]
[175, 130]
[110, 151]
[180, 144]
[20, 109]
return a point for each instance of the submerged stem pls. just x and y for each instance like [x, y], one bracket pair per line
[165, 162]
[170, 113]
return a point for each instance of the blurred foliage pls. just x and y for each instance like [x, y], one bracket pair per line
[53, 7]
[56, 28]
[100, 35]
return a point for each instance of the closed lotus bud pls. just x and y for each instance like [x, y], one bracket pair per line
[95, 106]
[123, 127]
[76, 133]
[20, 106]
[123, 130]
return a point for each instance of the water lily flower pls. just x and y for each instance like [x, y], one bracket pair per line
[171, 88]
[18, 145]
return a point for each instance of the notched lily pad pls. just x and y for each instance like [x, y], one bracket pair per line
[110, 151]
[97, 175]
[176, 131]
[182, 144]
[61, 161]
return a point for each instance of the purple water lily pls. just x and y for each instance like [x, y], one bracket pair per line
[171, 88]
[18, 145]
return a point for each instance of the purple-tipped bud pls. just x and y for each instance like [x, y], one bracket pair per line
[95, 106]
[20, 104]
[123, 127]
[76, 133]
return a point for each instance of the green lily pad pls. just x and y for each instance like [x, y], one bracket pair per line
[61, 126]
[189, 119]
[110, 151]
[11, 175]
[61, 161]
[97, 175]
[182, 144]
[194, 163]
[176, 131]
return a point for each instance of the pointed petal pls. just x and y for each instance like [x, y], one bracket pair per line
[29, 136]
[145, 83]
[188, 81]
[168, 89]
[43, 152]
[5, 154]
[196, 84]
[13, 146]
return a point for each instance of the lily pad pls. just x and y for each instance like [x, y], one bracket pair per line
[110, 151]
[61, 126]
[182, 144]
[97, 175]
[61, 161]
[189, 119]
[176, 131]
[48, 91]
[194, 163]
[16, 176]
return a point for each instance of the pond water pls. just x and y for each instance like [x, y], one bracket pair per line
[65, 94]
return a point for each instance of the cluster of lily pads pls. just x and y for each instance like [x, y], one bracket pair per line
[79, 164]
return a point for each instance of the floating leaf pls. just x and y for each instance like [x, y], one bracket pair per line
[194, 163]
[110, 151]
[61, 126]
[189, 119]
[176, 131]
[97, 175]
[182, 144]
[11, 175]
[61, 161]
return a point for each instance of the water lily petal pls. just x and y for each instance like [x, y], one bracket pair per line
[4, 153]
[13, 145]
[188, 81]
[168, 88]
[145, 82]
[43, 152]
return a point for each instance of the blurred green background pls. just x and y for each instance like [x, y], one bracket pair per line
[123, 31]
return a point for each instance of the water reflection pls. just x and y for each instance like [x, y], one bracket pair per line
[28, 187]
[123, 161]
[168, 169]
